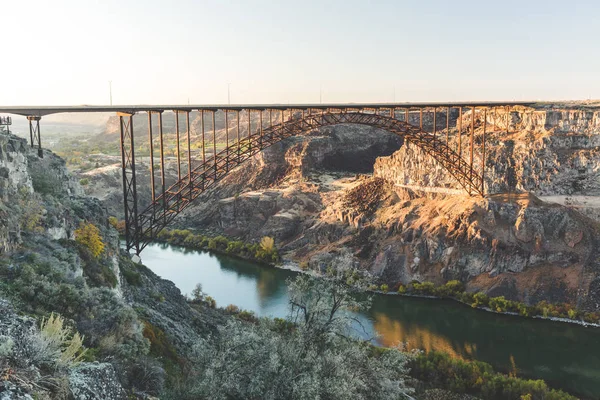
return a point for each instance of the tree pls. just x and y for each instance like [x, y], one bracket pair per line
[316, 359]
[88, 236]
[321, 306]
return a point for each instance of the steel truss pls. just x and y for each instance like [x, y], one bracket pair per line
[35, 136]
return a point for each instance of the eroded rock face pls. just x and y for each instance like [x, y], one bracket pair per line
[24, 176]
[95, 381]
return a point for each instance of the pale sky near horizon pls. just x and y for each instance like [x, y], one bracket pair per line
[64, 52]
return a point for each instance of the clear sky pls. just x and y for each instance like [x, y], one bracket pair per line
[65, 51]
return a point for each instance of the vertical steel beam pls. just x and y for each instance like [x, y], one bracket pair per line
[261, 129]
[460, 132]
[421, 118]
[406, 115]
[203, 140]
[226, 140]
[35, 134]
[151, 142]
[30, 131]
[473, 109]
[237, 112]
[483, 162]
[214, 142]
[162, 164]
[129, 181]
[447, 131]
[249, 130]
[434, 125]
[178, 147]
[189, 147]
[270, 117]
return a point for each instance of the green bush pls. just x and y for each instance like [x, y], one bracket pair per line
[480, 300]
[264, 252]
[478, 379]
[427, 288]
[212, 303]
[132, 277]
[499, 304]
[88, 236]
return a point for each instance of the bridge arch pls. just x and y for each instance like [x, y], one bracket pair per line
[177, 197]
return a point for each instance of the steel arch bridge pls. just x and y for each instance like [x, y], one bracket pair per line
[266, 125]
[143, 226]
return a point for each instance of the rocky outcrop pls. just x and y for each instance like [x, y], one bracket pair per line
[24, 179]
[95, 381]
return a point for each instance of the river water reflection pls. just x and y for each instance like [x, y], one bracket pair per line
[565, 355]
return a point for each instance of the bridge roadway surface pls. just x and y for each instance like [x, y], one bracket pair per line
[41, 111]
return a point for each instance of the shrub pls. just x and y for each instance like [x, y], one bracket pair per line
[160, 346]
[113, 221]
[132, 277]
[88, 236]
[454, 287]
[147, 376]
[480, 300]
[267, 244]
[212, 303]
[248, 316]
[197, 293]
[499, 304]
[218, 243]
[385, 288]
[235, 247]
[402, 289]
[478, 378]
[44, 181]
[84, 182]
[232, 309]
[59, 343]
[425, 287]
[32, 211]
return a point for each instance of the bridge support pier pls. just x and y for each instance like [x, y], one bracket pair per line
[130, 200]
[35, 133]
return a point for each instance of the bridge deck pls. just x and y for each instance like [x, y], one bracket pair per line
[40, 111]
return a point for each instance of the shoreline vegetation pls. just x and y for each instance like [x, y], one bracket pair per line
[266, 253]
